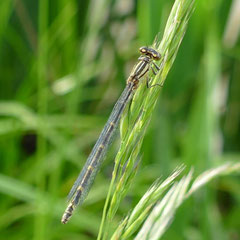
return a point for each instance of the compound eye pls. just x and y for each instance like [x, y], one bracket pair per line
[156, 56]
[143, 50]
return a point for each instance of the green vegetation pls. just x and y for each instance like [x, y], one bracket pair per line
[63, 65]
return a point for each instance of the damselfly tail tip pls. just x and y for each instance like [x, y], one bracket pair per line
[63, 221]
[65, 218]
[67, 214]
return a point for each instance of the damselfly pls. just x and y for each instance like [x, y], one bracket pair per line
[86, 177]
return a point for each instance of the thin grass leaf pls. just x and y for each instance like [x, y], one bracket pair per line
[207, 176]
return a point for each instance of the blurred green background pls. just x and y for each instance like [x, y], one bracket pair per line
[63, 64]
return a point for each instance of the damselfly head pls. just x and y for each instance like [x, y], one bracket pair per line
[150, 52]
